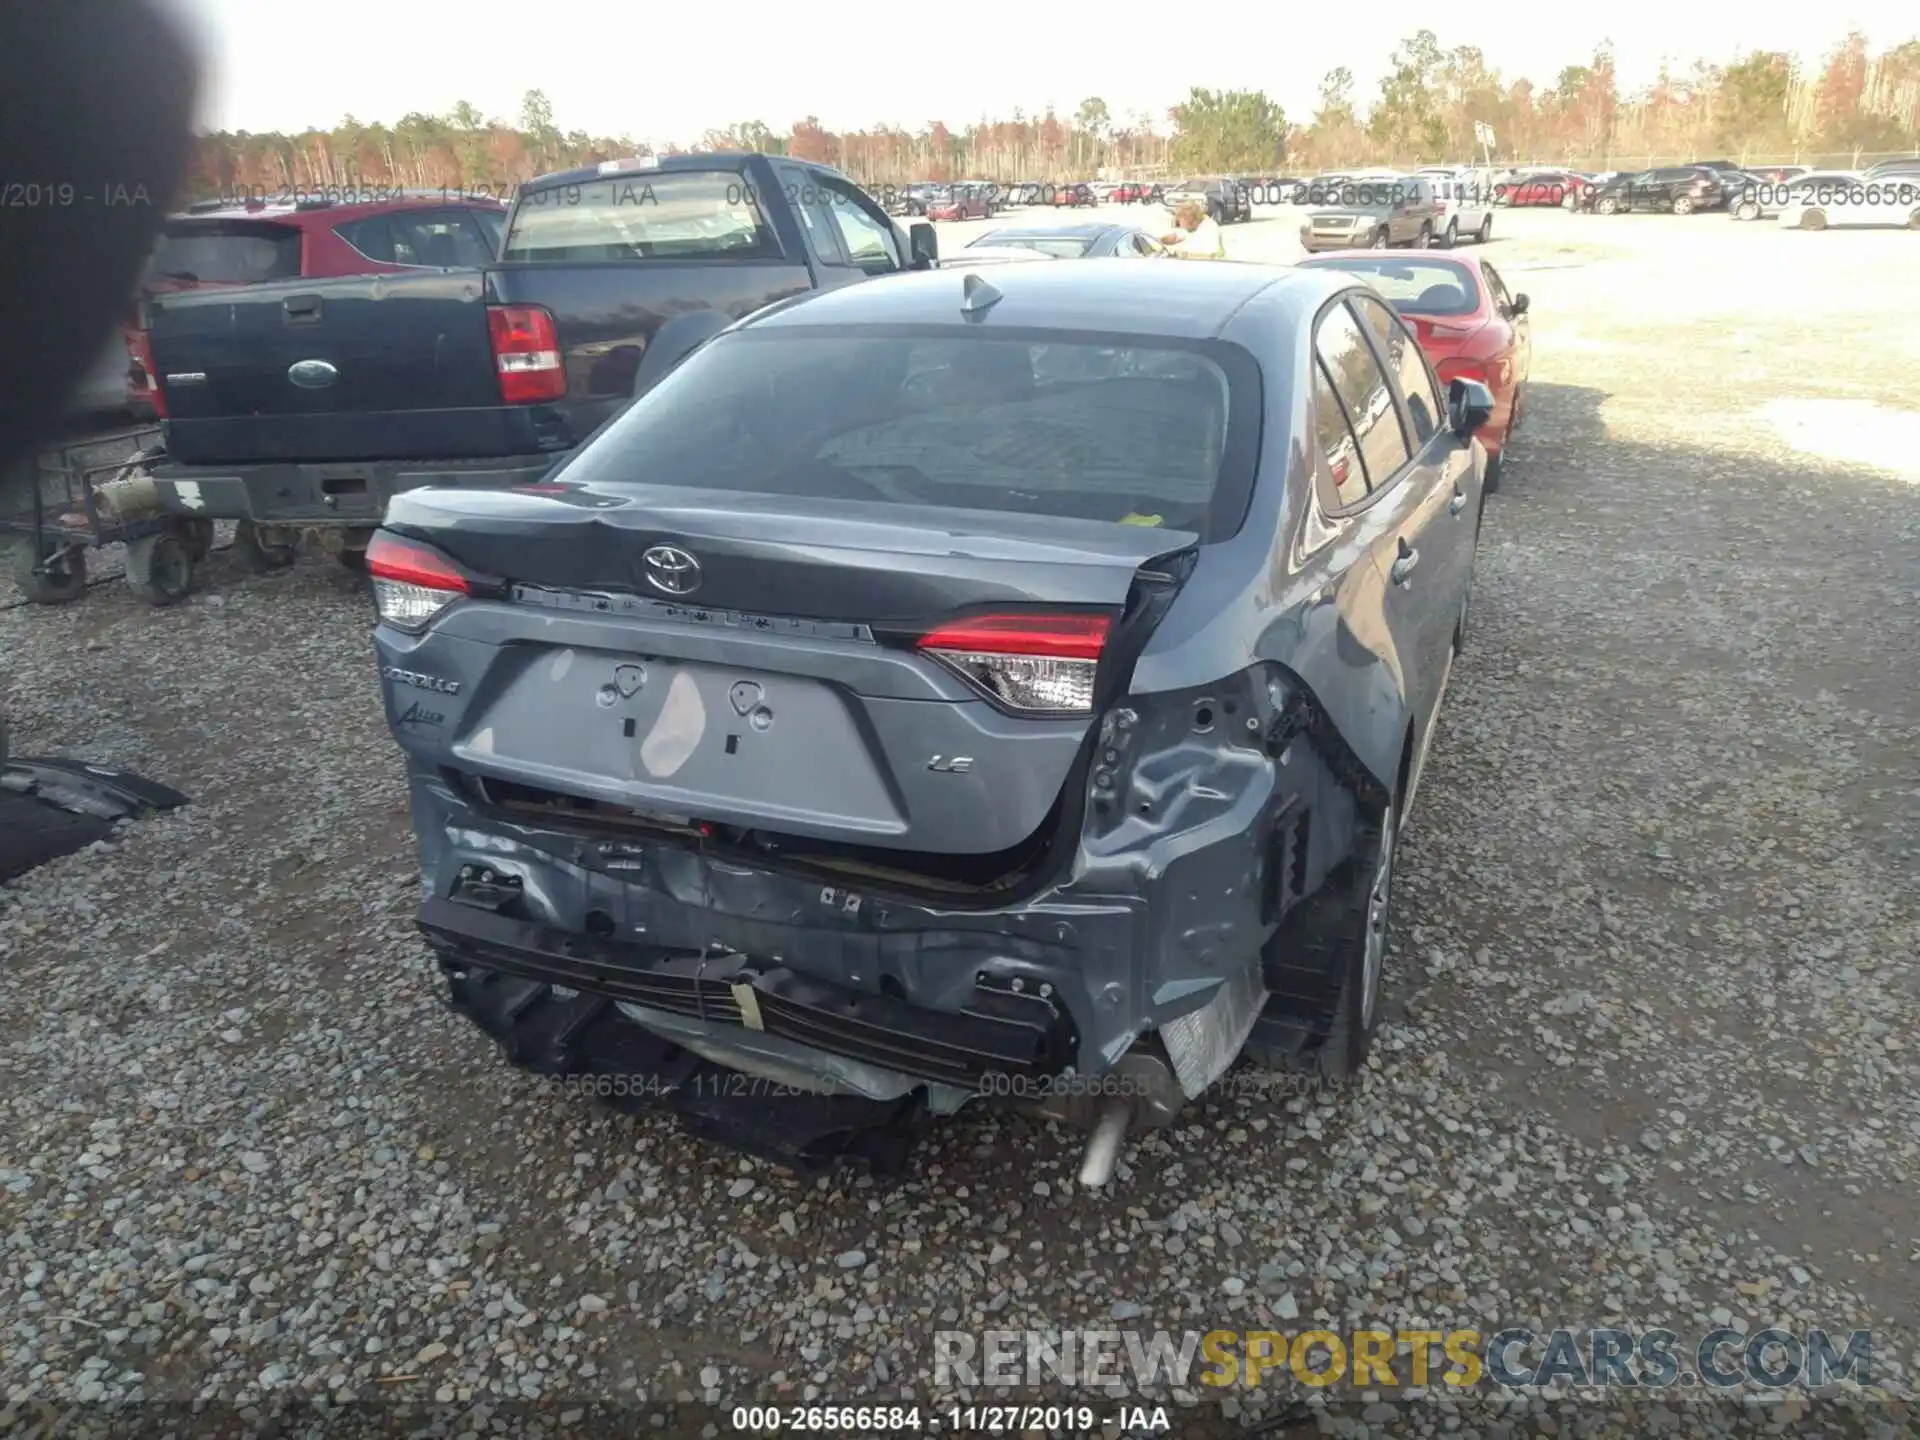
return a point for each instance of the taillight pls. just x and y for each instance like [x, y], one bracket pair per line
[1039, 664]
[1452, 370]
[412, 583]
[142, 381]
[526, 351]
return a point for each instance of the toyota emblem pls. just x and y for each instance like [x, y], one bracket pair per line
[671, 570]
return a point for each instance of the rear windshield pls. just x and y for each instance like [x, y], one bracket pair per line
[1098, 429]
[1420, 287]
[227, 252]
[643, 215]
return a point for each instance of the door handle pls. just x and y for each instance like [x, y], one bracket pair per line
[1458, 502]
[1403, 565]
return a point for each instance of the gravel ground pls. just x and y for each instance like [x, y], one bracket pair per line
[1651, 1052]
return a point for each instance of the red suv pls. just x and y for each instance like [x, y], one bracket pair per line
[226, 243]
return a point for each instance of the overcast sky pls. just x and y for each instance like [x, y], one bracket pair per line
[662, 72]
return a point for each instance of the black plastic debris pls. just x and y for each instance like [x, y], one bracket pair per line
[53, 807]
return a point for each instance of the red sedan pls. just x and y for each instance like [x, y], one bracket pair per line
[1546, 187]
[1467, 322]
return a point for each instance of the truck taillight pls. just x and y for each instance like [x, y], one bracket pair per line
[412, 583]
[142, 380]
[1039, 664]
[526, 352]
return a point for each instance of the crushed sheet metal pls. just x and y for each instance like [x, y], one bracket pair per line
[1203, 1044]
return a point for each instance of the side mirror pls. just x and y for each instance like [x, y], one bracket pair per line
[1469, 406]
[1520, 303]
[923, 245]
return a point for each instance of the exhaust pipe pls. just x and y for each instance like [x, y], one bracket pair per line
[1103, 1146]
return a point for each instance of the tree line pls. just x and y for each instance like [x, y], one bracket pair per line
[1765, 106]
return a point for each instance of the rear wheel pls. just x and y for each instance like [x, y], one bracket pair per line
[1682, 205]
[199, 537]
[1813, 220]
[1452, 237]
[160, 567]
[1748, 211]
[1485, 232]
[1328, 958]
[63, 578]
[259, 551]
[1913, 221]
[1496, 462]
[1424, 240]
[1378, 240]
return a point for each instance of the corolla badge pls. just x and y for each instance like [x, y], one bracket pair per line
[312, 374]
[671, 570]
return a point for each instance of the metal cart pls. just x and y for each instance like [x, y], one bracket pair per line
[80, 494]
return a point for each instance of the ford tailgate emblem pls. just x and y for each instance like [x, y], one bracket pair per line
[312, 374]
[671, 570]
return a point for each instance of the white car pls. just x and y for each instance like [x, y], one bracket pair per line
[1855, 201]
[1465, 193]
[1768, 198]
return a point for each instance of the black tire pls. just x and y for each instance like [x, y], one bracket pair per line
[1748, 211]
[1485, 232]
[354, 560]
[1606, 205]
[160, 567]
[1496, 463]
[1424, 240]
[1682, 205]
[1328, 956]
[1452, 237]
[257, 555]
[1813, 220]
[1380, 239]
[1913, 221]
[1463, 627]
[62, 582]
[199, 537]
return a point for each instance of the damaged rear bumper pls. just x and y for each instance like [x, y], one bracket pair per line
[757, 1003]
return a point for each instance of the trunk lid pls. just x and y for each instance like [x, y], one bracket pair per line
[787, 701]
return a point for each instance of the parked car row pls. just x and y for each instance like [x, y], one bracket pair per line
[1887, 195]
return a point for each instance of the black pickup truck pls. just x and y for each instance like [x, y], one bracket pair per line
[307, 404]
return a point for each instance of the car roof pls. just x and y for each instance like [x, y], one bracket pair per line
[1085, 230]
[667, 165]
[1183, 301]
[328, 212]
[1401, 257]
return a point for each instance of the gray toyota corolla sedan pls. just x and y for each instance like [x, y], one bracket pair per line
[941, 689]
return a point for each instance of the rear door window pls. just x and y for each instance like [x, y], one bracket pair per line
[643, 215]
[1364, 394]
[442, 238]
[865, 234]
[814, 202]
[227, 252]
[1405, 363]
[493, 224]
[1337, 442]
